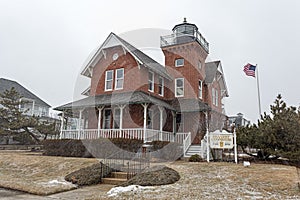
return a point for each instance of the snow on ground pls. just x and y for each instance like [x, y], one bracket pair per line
[131, 188]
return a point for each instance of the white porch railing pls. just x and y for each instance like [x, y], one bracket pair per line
[136, 133]
[185, 139]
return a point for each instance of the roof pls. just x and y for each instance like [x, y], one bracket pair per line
[214, 70]
[210, 71]
[189, 105]
[136, 97]
[6, 84]
[114, 40]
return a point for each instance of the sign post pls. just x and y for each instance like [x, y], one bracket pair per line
[235, 147]
[223, 140]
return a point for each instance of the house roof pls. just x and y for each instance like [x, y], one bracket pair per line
[142, 58]
[214, 70]
[210, 71]
[189, 105]
[136, 97]
[6, 84]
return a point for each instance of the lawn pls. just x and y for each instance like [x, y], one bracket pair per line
[36, 174]
[45, 175]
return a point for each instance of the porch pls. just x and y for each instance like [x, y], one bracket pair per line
[147, 135]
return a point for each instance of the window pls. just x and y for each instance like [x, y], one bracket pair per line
[179, 87]
[109, 80]
[200, 89]
[117, 118]
[106, 118]
[119, 79]
[161, 86]
[150, 119]
[215, 97]
[179, 122]
[179, 62]
[151, 81]
[199, 64]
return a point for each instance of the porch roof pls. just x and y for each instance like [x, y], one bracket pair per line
[137, 97]
[190, 105]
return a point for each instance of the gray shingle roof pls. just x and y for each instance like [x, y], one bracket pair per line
[189, 105]
[6, 84]
[136, 97]
[147, 61]
[210, 71]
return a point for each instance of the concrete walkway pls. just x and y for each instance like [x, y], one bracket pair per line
[88, 192]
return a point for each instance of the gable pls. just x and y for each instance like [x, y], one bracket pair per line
[114, 40]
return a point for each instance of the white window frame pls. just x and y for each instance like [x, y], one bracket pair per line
[106, 80]
[200, 84]
[213, 95]
[177, 87]
[116, 79]
[199, 64]
[161, 85]
[151, 82]
[176, 62]
[217, 97]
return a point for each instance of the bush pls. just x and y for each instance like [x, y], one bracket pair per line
[65, 147]
[88, 176]
[195, 158]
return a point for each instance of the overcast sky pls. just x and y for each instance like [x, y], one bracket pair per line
[43, 43]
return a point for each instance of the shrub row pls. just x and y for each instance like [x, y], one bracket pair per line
[101, 148]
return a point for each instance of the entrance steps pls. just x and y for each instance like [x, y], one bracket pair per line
[192, 150]
[115, 178]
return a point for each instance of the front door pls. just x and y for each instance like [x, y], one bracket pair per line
[107, 118]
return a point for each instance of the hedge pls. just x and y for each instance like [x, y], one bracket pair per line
[100, 148]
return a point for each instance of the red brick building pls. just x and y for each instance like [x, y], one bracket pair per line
[131, 95]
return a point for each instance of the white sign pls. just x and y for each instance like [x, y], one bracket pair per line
[221, 140]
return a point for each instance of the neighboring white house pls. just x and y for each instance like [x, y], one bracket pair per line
[238, 120]
[33, 105]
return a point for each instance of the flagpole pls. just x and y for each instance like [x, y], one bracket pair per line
[258, 92]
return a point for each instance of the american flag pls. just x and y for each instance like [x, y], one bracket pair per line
[249, 70]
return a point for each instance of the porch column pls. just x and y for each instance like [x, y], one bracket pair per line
[79, 124]
[174, 122]
[160, 122]
[99, 119]
[121, 115]
[207, 137]
[62, 124]
[145, 105]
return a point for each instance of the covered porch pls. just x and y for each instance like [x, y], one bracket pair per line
[131, 115]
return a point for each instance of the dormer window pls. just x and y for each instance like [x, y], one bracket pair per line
[109, 75]
[179, 62]
[151, 81]
[119, 79]
[161, 86]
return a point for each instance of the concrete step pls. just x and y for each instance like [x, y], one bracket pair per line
[122, 175]
[113, 181]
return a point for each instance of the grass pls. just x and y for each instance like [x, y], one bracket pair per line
[38, 174]
[44, 175]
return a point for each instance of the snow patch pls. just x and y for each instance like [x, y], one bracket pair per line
[57, 182]
[131, 188]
